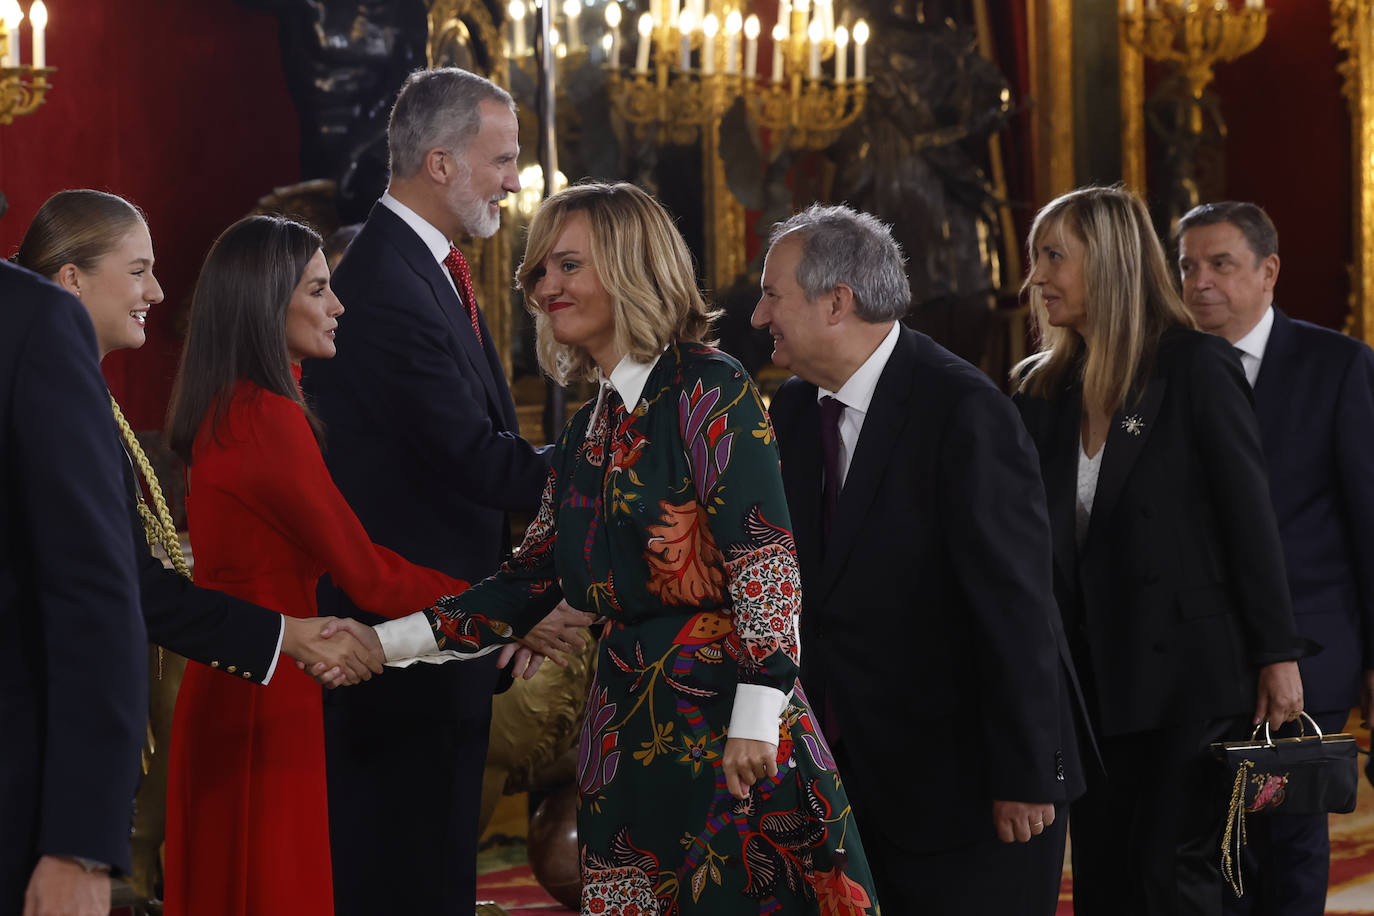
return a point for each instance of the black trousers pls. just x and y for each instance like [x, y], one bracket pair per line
[1287, 859]
[1147, 835]
[987, 878]
[405, 754]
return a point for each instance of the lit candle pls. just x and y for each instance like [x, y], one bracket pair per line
[709, 27]
[733, 23]
[611, 41]
[779, 38]
[1152, 6]
[860, 40]
[571, 10]
[815, 34]
[841, 53]
[685, 25]
[785, 17]
[555, 39]
[825, 11]
[1252, 4]
[672, 13]
[751, 46]
[517, 27]
[13, 17]
[646, 28]
[38, 17]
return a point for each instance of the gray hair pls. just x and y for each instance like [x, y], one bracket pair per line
[841, 245]
[1250, 219]
[437, 109]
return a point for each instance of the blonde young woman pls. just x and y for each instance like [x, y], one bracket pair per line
[97, 247]
[705, 786]
[1168, 568]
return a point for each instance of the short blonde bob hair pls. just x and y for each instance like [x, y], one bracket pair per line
[1129, 298]
[639, 257]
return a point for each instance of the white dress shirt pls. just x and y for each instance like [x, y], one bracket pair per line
[1253, 345]
[856, 394]
[434, 240]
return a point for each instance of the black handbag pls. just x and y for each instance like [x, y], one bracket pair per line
[1309, 774]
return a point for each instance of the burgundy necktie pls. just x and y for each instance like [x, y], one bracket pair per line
[831, 411]
[462, 278]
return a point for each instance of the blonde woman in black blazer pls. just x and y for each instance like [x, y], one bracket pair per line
[1168, 567]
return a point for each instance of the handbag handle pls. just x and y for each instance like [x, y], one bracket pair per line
[1303, 734]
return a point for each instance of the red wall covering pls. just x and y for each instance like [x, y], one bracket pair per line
[180, 107]
[1288, 150]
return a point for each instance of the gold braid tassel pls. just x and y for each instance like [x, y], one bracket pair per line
[158, 529]
[1235, 830]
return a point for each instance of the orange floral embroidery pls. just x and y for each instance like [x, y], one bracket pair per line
[838, 894]
[684, 561]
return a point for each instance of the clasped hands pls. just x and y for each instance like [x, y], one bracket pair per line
[338, 651]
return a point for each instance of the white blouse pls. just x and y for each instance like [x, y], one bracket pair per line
[1088, 469]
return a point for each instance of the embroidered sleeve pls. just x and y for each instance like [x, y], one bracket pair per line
[739, 495]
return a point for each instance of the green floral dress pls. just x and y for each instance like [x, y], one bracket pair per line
[670, 521]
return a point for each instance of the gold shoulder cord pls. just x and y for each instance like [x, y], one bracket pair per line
[158, 528]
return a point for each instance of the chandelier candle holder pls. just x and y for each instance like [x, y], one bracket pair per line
[22, 88]
[692, 61]
[1192, 36]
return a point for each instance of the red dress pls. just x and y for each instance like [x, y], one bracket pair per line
[247, 812]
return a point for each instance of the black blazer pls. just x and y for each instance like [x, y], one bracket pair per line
[1315, 402]
[928, 622]
[73, 657]
[1179, 594]
[423, 439]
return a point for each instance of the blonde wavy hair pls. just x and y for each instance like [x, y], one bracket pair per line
[640, 258]
[1129, 298]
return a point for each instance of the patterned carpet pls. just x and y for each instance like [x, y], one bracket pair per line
[506, 878]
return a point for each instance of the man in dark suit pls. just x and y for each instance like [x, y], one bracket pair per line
[1314, 399]
[423, 442]
[926, 578]
[73, 687]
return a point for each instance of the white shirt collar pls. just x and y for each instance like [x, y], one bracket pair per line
[628, 379]
[1254, 343]
[857, 391]
[434, 239]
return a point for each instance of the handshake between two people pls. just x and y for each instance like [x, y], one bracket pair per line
[340, 651]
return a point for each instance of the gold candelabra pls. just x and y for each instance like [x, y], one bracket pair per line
[1193, 36]
[22, 88]
[692, 63]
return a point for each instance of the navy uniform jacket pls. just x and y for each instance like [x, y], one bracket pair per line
[1315, 402]
[73, 658]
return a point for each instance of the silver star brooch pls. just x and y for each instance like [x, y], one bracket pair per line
[1133, 424]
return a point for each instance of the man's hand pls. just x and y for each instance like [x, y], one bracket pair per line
[1017, 822]
[746, 762]
[1279, 697]
[335, 651]
[559, 632]
[527, 661]
[62, 887]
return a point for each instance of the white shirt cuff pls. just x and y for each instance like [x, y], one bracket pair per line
[410, 639]
[757, 713]
[276, 656]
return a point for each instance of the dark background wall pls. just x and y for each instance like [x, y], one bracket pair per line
[180, 107]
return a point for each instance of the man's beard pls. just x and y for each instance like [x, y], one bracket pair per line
[477, 219]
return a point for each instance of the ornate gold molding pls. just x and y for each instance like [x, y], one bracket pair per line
[1352, 31]
[1131, 71]
[1050, 33]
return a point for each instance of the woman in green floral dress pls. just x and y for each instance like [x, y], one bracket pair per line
[705, 784]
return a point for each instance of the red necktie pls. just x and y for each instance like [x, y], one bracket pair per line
[462, 277]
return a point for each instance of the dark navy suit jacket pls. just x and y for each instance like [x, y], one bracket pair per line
[422, 440]
[934, 597]
[1315, 401]
[73, 659]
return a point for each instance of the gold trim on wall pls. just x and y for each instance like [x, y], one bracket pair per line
[1050, 36]
[1131, 71]
[1352, 31]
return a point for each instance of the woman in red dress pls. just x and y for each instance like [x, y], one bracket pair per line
[247, 818]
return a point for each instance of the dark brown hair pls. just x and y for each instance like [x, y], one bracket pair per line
[238, 325]
[1250, 219]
